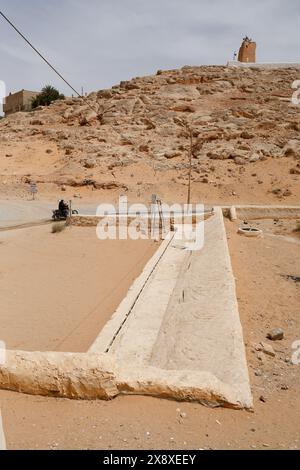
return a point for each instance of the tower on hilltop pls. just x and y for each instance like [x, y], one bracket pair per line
[247, 51]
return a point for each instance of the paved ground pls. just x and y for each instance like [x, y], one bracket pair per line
[22, 212]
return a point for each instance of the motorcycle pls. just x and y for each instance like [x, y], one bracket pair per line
[62, 215]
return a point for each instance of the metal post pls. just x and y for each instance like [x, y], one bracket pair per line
[153, 215]
[190, 166]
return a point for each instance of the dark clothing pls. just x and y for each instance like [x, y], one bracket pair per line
[63, 208]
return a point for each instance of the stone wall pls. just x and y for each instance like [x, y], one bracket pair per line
[20, 101]
[264, 212]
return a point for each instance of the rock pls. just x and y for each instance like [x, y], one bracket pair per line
[277, 191]
[106, 94]
[287, 193]
[292, 149]
[36, 122]
[254, 158]
[8, 155]
[89, 163]
[267, 349]
[216, 156]
[276, 335]
[295, 171]
[87, 118]
[178, 92]
[170, 155]
[239, 161]
[184, 108]
[127, 140]
[263, 399]
[260, 356]
[110, 185]
[247, 135]
[49, 151]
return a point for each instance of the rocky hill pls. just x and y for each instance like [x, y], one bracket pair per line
[131, 139]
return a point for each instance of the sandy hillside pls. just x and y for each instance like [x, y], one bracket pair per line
[130, 139]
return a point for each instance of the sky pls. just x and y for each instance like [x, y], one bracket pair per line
[97, 43]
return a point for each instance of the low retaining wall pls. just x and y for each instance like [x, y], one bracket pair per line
[266, 65]
[67, 375]
[93, 220]
[97, 376]
[263, 212]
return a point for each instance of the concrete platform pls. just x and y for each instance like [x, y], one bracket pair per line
[185, 324]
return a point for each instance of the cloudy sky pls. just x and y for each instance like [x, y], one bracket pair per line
[97, 43]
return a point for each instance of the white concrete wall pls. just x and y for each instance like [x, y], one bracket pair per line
[263, 65]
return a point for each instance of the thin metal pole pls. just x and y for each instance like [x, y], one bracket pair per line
[190, 166]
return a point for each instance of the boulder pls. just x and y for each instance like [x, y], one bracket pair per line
[276, 335]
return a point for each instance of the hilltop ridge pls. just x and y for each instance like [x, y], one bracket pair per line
[130, 139]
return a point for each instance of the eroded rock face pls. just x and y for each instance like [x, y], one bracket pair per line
[239, 115]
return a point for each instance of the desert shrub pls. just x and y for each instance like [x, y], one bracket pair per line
[58, 227]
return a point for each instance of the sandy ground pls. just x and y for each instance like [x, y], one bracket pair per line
[267, 299]
[227, 184]
[58, 290]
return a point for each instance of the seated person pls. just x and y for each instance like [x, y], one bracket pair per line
[63, 208]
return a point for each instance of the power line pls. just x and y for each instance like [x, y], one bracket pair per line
[39, 53]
